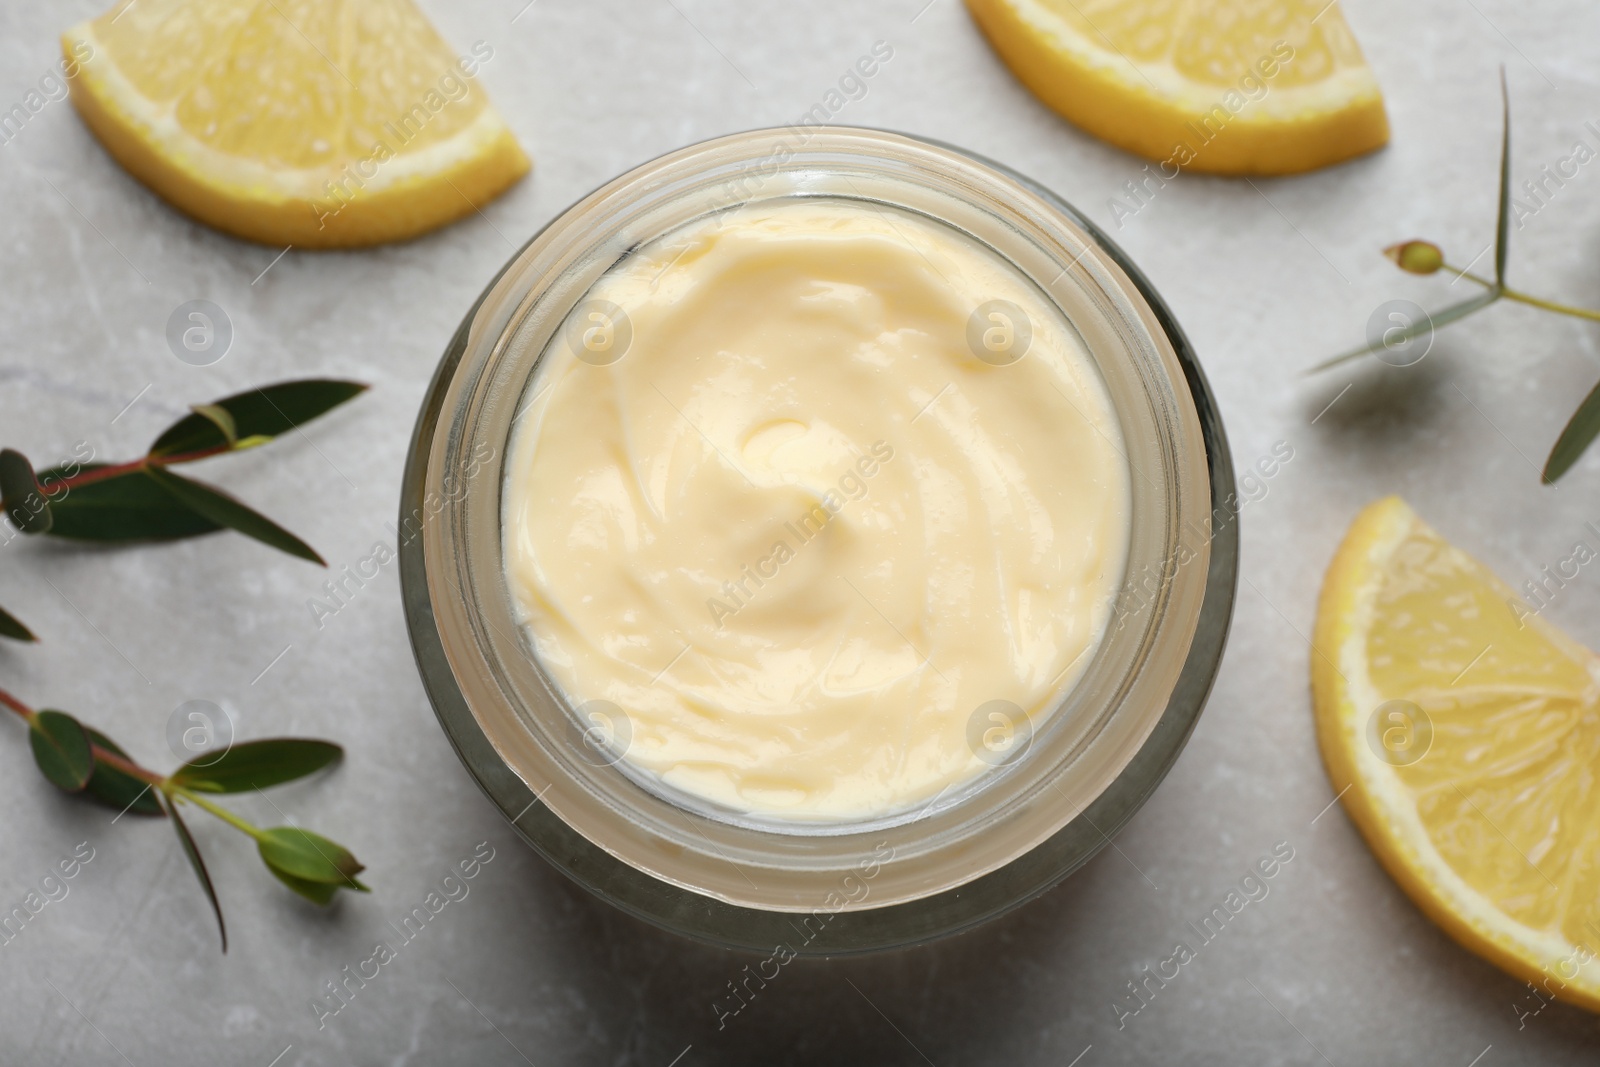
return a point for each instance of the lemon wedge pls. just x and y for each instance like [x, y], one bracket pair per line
[316, 123]
[1462, 732]
[1223, 86]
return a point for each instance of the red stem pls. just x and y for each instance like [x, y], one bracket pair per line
[126, 766]
[16, 705]
[101, 755]
[118, 469]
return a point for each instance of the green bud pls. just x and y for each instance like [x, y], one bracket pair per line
[1416, 257]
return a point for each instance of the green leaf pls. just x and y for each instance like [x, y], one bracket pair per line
[220, 418]
[316, 892]
[192, 851]
[258, 415]
[1502, 227]
[61, 749]
[220, 508]
[256, 765]
[128, 507]
[11, 626]
[25, 504]
[1434, 321]
[118, 789]
[301, 854]
[1575, 438]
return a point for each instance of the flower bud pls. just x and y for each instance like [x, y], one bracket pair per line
[1416, 257]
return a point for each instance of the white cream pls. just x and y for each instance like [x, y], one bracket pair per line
[783, 516]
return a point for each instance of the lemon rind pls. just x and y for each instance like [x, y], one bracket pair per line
[408, 194]
[1147, 108]
[1374, 796]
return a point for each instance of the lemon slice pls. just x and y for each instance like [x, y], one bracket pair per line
[1463, 734]
[316, 123]
[1225, 86]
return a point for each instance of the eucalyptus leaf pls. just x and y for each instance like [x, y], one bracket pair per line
[11, 626]
[1579, 432]
[258, 415]
[1445, 316]
[25, 504]
[1433, 321]
[61, 749]
[298, 853]
[224, 510]
[219, 417]
[256, 765]
[192, 851]
[116, 788]
[127, 507]
[1502, 227]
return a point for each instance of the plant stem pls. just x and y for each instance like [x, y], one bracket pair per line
[220, 812]
[1459, 273]
[1551, 305]
[16, 705]
[100, 755]
[116, 470]
[126, 766]
[1524, 298]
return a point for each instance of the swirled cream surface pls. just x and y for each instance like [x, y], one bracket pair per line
[803, 490]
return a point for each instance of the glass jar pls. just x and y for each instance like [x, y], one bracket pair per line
[989, 844]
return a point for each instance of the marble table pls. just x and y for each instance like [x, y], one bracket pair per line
[1333, 966]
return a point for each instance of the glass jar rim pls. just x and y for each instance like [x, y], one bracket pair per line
[454, 557]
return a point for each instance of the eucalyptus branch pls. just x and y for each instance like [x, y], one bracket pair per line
[1550, 305]
[1424, 257]
[133, 466]
[79, 759]
[144, 499]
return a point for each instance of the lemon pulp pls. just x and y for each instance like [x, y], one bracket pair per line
[1463, 733]
[318, 123]
[1224, 86]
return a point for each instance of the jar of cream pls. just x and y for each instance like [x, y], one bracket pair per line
[817, 541]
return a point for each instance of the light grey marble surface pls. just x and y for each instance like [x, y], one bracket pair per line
[1335, 966]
